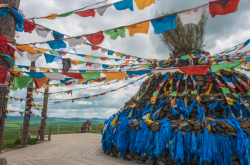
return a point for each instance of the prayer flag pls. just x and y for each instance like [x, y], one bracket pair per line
[138, 28]
[222, 7]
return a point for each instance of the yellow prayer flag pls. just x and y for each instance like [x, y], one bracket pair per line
[91, 81]
[89, 71]
[32, 68]
[75, 62]
[153, 99]
[28, 49]
[89, 57]
[51, 16]
[15, 57]
[138, 28]
[46, 86]
[42, 50]
[117, 75]
[148, 120]
[39, 105]
[82, 81]
[44, 69]
[35, 108]
[92, 96]
[198, 98]
[141, 4]
[243, 59]
[118, 54]
[133, 105]
[218, 73]
[229, 99]
[111, 66]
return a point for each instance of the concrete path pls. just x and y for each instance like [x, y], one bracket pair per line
[65, 149]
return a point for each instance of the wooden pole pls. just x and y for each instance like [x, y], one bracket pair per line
[26, 121]
[44, 112]
[7, 28]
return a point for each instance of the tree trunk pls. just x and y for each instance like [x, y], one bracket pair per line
[26, 121]
[7, 28]
[44, 113]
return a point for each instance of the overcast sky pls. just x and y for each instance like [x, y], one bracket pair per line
[222, 32]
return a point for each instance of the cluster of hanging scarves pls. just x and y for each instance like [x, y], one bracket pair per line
[208, 147]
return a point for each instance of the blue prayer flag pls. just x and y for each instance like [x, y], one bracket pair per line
[126, 4]
[49, 58]
[164, 24]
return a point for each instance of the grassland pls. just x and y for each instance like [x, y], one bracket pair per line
[12, 126]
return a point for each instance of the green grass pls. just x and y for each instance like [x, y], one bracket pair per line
[14, 143]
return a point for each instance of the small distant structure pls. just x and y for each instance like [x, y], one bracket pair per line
[86, 127]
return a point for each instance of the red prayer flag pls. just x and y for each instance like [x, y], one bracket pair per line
[127, 57]
[86, 13]
[123, 66]
[29, 26]
[95, 39]
[68, 83]
[102, 94]
[103, 58]
[89, 64]
[3, 74]
[73, 75]
[195, 70]
[95, 47]
[62, 53]
[223, 7]
[100, 79]
[4, 48]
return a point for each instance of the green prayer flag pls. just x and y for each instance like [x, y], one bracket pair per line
[27, 112]
[53, 52]
[126, 78]
[114, 33]
[245, 54]
[95, 57]
[174, 93]
[235, 95]
[18, 69]
[46, 95]
[225, 90]
[22, 81]
[130, 114]
[56, 85]
[194, 92]
[117, 66]
[184, 57]
[7, 97]
[55, 70]
[66, 14]
[91, 75]
[82, 62]
[15, 99]
[248, 93]
[134, 68]
[10, 111]
[13, 89]
[26, 107]
[123, 55]
[147, 65]
[155, 93]
[200, 62]
[226, 66]
[133, 61]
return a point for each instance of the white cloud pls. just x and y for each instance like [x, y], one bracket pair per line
[222, 32]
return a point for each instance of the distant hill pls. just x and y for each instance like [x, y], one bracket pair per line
[17, 121]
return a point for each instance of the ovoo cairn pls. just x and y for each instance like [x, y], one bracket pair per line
[195, 113]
